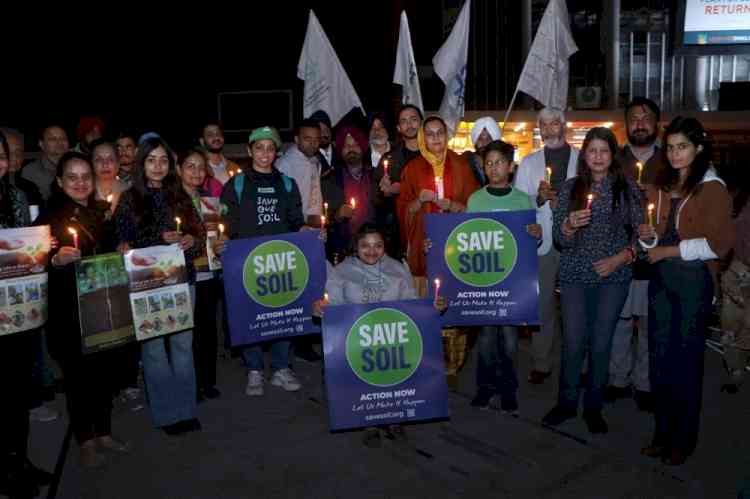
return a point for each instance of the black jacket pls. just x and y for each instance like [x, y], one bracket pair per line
[269, 204]
[95, 236]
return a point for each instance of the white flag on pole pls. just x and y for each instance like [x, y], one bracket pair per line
[545, 73]
[450, 66]
[405, 73]
[327, 85]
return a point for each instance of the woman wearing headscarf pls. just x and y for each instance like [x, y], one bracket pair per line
[437, 169]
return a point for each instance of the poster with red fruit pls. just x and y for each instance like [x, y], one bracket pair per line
[159, 291]
[23, 278]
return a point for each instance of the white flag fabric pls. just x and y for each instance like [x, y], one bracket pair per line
[327, 85]
[405, 73]
[450, 66]
[545, 73]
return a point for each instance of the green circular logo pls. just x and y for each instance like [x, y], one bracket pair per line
[384, 347]
[481, 252]
[275, 273]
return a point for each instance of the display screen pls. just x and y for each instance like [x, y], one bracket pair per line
[717, 22]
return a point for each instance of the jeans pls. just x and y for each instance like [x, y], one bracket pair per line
[253, 355]
[680, 296]
[590, 313]
[88, 393]
[205, 339]
[170, 378]
[17, 353]
[496, 374]
[543, 341]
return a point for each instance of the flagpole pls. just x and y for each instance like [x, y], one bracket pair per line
[507, 112]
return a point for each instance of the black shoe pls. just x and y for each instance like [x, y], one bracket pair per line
[15, 480]
[730, 388]
[509, 404]
[644, 401]
[612, 393]
[192, 425]
[307, 353]
[538, 377]
[174, 429]
[211, 392]
[38, 475]
[481, 400]
[558, 414]
[595, 422]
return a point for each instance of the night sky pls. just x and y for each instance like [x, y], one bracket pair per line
[152, 71]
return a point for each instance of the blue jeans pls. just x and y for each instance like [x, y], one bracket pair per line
[170, 379]
[253, 355]
[496, 374]
[590, 313]
[680, 296]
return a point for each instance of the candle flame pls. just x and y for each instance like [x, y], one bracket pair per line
[322, 220]
[651, 207]
[437, 283]
[110, 198]
[325, 296]
[221, 228]
[353, 203]
[177, 219]
[72, 231]
[590, 197]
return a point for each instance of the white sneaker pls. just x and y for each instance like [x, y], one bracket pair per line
[254, 384]
[286, 379]
[43, 414]
[132, 393]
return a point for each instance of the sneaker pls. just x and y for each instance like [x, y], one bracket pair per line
[286, 379]
[132, 393]
[43, 414]
[558, 415]
[595, 422]
[481, 400]
[509, 405]
[254, 384]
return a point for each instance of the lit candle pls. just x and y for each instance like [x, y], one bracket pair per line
[439, 188]
[231, 173]
[179, 222]
[353, 203]
[651, 214]
[221, 229]
[325, 297]
[75, 236]
[549, 175]
[325, 207]
[385, 167]
[589, 200]
[639, 165]
[437, 290]
[110, 198]
[322, 221]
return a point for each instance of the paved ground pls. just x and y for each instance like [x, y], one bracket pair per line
[278, 446]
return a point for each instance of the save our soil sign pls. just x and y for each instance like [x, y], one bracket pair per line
[23, 278]
[271, 283]
[384, 364]
[487, 266]
[159, 291]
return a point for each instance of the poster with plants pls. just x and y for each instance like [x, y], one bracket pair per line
[104, 302]
[159, 291]
[23, 278]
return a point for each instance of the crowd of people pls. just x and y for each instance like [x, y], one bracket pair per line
[630, 242]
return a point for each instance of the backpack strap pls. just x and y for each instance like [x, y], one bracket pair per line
[239, 186]
[287, 183]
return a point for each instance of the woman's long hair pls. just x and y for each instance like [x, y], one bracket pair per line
[58, 198]
[668, 178]
[7, 215]
[177, 199]
[584, 179]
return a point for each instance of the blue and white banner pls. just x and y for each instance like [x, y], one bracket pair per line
[271, 283]
[384, 364]
[487, 266]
